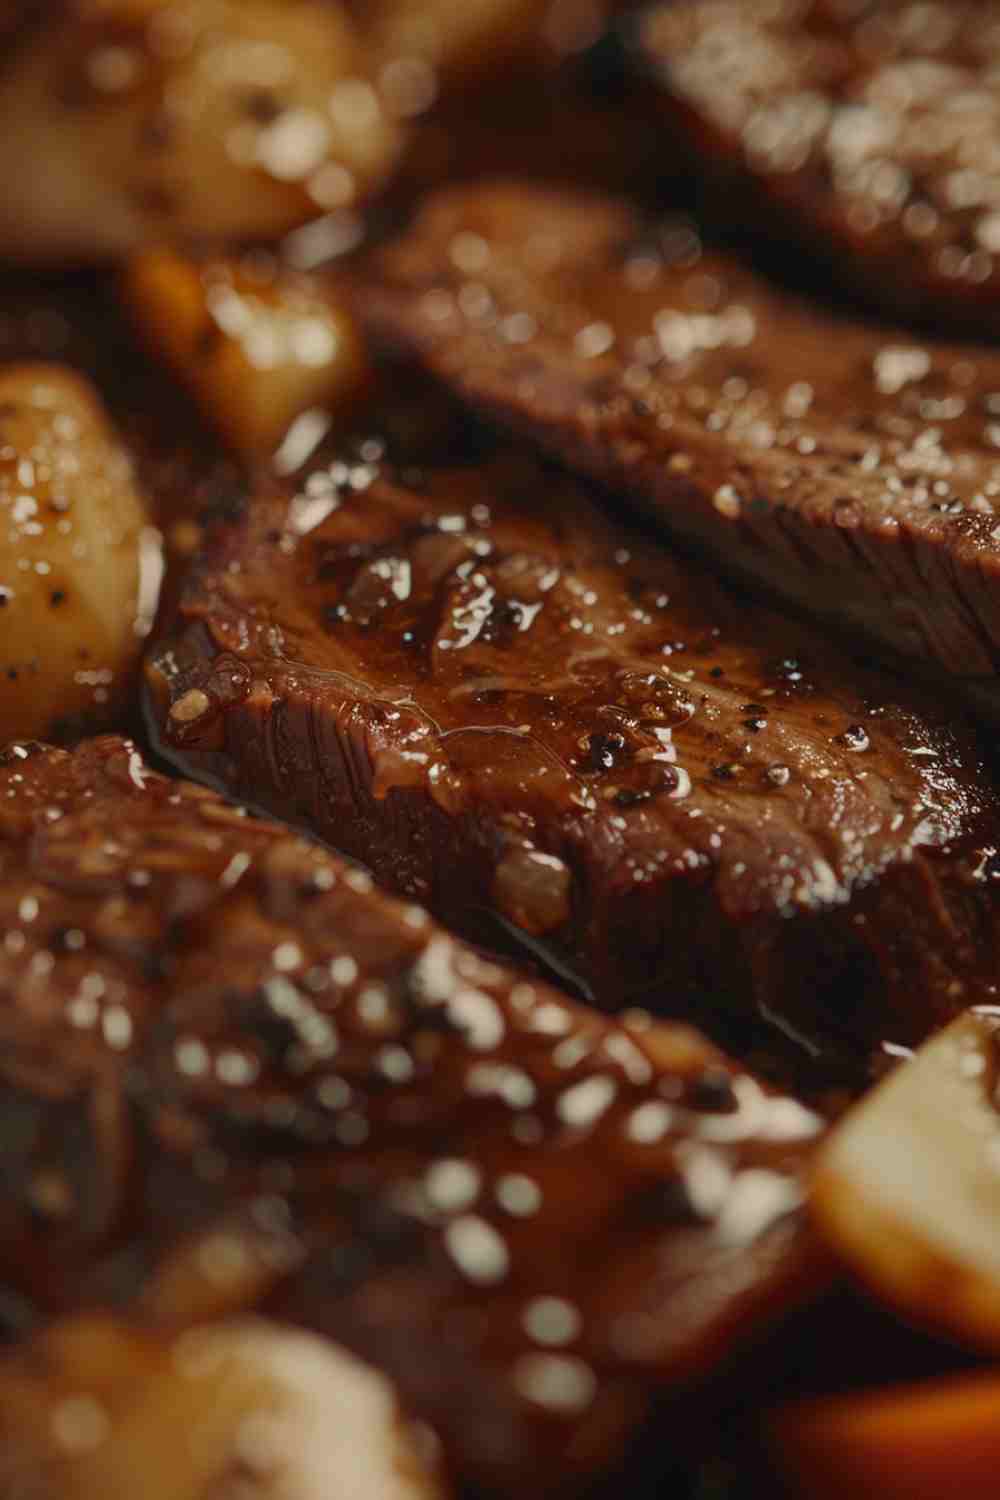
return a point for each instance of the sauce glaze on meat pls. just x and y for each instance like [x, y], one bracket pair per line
[852, 469]
[524, 1214]
[872, 131]
[467, 677]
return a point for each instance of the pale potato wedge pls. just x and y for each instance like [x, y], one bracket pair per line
[907, 1187]
[922, 1442]
[129, 121]
[72, 534]
[94, 1408]
[256, 346]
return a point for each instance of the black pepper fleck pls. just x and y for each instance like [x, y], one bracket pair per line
[713, 1092]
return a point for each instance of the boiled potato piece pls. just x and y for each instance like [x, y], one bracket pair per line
[907, 1188]
[129, 121]
[93, 1408]
[257, 347]
[454, 38]
[72, 529]
[914, 1443]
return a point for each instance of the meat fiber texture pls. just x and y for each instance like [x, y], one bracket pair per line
[851, 469]
[530, 719]
[237, 1078]
[868, 133]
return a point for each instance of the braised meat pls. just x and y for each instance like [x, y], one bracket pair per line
[506, 704]
[871, 132]
[850, 469]
[235, 1076]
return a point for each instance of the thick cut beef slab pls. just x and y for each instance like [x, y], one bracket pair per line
[851, 469]
[503, 703]
[870, 131]
[234, 1076]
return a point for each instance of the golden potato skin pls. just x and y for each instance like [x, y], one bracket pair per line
[95, 1407]
[257, 346]
[71, 524]
[906, 1189]
[145, 120]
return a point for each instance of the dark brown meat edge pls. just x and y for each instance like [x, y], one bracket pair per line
[503, 703]
[214, 1032]
[868, 136]
[851, 470]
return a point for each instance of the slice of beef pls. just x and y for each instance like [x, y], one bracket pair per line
[870, 132]
[505, 704]
[235, 1076]
[850, 469]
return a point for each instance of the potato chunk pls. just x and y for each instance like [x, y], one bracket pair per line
[907, 1188]
[94, 1408]
[259, 348]
[71, 533]
[128, 121]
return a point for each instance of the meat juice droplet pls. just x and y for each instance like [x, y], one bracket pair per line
[855, 737]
